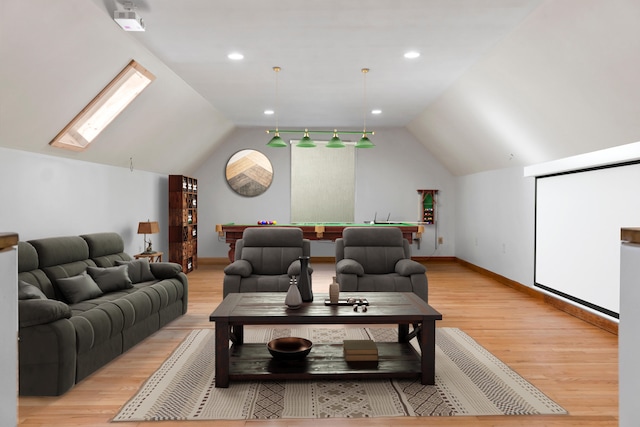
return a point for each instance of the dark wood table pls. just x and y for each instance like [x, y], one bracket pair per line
[242, 361]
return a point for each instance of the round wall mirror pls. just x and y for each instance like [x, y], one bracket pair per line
[249, 173]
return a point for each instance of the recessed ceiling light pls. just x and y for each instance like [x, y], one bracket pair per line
[235, 56]
[412, 54]
[269, 112]
[376, 111]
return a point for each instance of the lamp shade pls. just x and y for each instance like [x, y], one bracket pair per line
[335, 141]
[277, 142]
[306, 141]
[149, 227]
[364, 142]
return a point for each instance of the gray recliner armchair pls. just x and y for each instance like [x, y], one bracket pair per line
[265, 260]
[378, 259]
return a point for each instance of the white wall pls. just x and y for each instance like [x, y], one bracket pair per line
[629, 335]
[46, 196]
[387, 179]
[495, 222]
[9, 335]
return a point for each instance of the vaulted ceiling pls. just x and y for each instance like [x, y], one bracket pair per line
[498, 83]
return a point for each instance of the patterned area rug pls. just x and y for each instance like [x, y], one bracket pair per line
[469, 381]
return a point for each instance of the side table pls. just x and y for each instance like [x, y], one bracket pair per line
[153, 256]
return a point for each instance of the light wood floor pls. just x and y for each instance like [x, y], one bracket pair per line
[571, 361]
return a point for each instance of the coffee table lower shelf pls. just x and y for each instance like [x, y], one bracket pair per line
[325, 361]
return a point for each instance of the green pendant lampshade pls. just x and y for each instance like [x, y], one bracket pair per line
[306, 141]
[276, 141]
[364, 142]
[335, 141]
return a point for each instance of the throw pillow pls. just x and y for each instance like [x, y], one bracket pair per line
[165, 270]
[29, 291]
[111, 279]
[78, 288]
[139, 270]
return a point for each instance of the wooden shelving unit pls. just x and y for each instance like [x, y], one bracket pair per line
[183, 221]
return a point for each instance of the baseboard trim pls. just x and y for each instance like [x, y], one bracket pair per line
[571, 309]
[427, 259]
[326, 260]
[323, 260]
[213, 261]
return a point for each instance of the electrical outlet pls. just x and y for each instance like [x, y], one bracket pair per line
[440, 240]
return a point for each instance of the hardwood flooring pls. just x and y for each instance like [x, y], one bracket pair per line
[571, 361]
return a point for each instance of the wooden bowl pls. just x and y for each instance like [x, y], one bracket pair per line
[289, 348]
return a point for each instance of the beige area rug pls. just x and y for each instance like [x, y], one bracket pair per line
[469, 381]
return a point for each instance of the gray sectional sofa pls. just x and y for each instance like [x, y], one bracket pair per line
[82, 302]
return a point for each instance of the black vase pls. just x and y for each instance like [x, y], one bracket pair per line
[304, 283]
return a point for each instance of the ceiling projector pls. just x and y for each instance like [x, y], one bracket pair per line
[129, 20]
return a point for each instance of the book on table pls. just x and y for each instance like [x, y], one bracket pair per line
[360, 350]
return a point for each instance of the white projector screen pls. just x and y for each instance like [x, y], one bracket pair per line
[578, 220]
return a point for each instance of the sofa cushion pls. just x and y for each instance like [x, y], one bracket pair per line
[53, 251]
[165, 270]
[101, 244]
[106, 248]
[139, 270]
[28, 291]
[78, 288]
[34, 312]
[111, 279]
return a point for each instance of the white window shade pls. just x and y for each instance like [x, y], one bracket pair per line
[322, 184]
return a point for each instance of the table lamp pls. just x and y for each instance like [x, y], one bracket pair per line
[149, 227]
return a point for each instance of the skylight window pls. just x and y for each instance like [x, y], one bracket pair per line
[105, 107]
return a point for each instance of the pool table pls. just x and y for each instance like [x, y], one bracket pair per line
[315, 231]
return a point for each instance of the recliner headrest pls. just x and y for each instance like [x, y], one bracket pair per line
[272, 236]
[372, 236]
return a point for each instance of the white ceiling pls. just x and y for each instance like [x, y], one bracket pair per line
[499, 83]
[321, 47]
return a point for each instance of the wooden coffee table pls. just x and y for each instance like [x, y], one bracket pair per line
[242, 361]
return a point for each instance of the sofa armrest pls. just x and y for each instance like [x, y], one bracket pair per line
[34, 312]
[47, 355]
[407, 267]
[349, 266]
[165, 270]
[240, 267]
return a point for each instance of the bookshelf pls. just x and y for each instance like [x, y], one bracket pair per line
[183, 221]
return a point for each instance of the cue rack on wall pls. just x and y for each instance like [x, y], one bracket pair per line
[428, 206]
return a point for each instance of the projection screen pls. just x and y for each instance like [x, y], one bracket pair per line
[579, 215]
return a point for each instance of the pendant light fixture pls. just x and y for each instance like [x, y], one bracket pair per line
[364, 142]
[276, 141]
[306, 141]
[335, 141]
